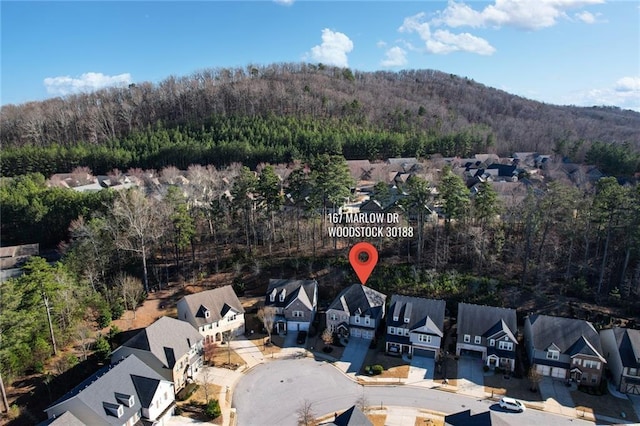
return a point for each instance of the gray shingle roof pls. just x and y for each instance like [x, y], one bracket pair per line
[95, 395]
[628, 343]
[359, 300]
[66, 419]
[421, 312]
[302, 290]
[571, 336]
[217, 301]
[351, 417]
[168, 339]
[477, 320]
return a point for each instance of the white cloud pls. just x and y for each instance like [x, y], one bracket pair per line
[628, 84]
[394, 57]
[586, 17]
[65, 85]
[444, 41]
[381, 44]
[284, 2]
[625, 93]
[525, 14]
[333, 50]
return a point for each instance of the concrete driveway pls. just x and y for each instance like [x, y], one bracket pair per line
[421, 368]
[353, 355]
[557, 396]
[635, 400]
[471, 376]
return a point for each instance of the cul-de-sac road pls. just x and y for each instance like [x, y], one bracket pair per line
[271, 393]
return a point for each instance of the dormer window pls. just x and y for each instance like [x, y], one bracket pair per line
[406, 320]
[115, 410]
[207, 313]
[357, 319]
[283, 294]
[552, 354]
[125, 399]
[395, 318]
[367, 320]
[272, 296]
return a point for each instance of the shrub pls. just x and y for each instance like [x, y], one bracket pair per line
[377, 369]
[117, 309]
[104, 316]
[212, 410]
[102, 348]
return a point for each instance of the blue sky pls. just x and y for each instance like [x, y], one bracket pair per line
[581, 52]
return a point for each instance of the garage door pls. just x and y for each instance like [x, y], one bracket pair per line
[544, 370]
[470, 353]
[367, 334]
[424, 353]
[559, 373]
[357, 332]
[633, 389]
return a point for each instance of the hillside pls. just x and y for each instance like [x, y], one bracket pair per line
[425, 109]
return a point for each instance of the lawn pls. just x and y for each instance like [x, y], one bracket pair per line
[377, 419]
[222, 358]
[515, 388]
[394, 367]
[605, 405]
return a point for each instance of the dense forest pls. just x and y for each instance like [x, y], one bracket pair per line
[283, 111]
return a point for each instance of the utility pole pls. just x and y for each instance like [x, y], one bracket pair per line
[53, 339]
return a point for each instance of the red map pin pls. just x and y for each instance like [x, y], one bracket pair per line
[363, 258]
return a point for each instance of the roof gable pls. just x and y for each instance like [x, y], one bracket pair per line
[628, 343]
[302, 290]
[214, 301]
[425, 315]
[359, 300]
[168, 339]
[569, 335]
[479, 320]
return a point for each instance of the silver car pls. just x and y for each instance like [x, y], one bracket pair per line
[512, 404]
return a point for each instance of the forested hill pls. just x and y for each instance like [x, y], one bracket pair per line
[416, 112]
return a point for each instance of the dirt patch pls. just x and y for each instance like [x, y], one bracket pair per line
[226, 358]
[604, 405]
[428, 421]
[377, 419]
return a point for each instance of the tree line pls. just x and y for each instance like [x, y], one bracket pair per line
[409, 104]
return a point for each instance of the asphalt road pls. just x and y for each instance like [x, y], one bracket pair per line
[271, 393]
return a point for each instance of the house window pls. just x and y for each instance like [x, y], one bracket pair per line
[357, 319]
[551, 354]
[298, 314]
[424, 338]
[210, 326]
[467, 338]
[591, 364]
[282, 295]
[333, 317]
[478, 340]
[406, 320]
[392, 330]
[367, 320]
[505, 346]
[492, 342]
[395, 318]
[594, 378]
[406, 331]
[633, 372]
[207, 314]
[577, 361]
[231, 318]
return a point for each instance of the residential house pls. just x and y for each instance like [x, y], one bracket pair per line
[295, 301]
[415, 326]
[213, 312]
[564, 348]
[621, 347]
[173, 348]
[356, 311]
[122, 394]
[350, 417]
[487, 332]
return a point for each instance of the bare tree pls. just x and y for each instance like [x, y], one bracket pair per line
[535, 378]
[228, 337]
[136, 225]
[306, 414]
[268, 317]
[209, 348]
[132, 291]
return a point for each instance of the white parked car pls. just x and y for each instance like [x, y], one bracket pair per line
[512, 404]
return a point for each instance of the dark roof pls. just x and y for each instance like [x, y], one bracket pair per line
[427, 313]
[465, 418]
[359, 300]
[217, 301]
[351, 417]
[168, 339]
[571, 336]
[103, 390]
[504, 169]
[628, 343]
[303, 290]
[480, 320]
